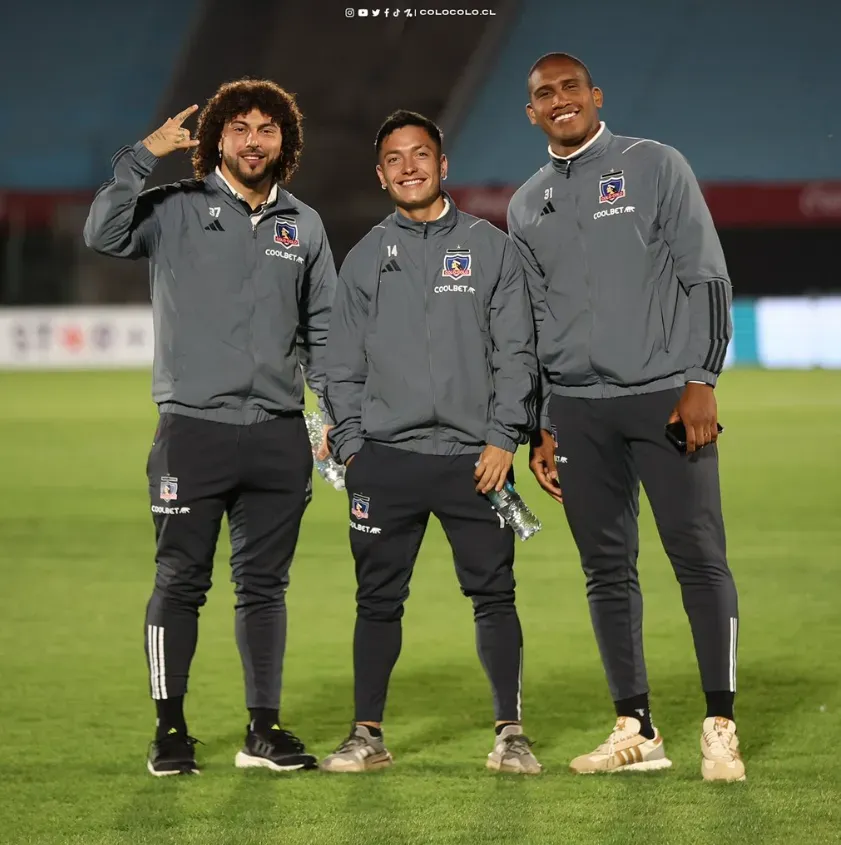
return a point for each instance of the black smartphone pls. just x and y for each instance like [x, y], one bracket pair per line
[676, 434]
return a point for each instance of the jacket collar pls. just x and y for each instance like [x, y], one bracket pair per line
[433, 227]
[278, 199]
[595, 147]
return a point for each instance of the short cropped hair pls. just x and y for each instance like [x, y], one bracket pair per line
[566, 57]
[403, 117]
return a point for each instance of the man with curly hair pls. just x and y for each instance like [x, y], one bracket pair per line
[242, 279]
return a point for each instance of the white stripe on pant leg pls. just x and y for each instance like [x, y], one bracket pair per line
[730, 658]
[733, 636]
[153, 663]
[161, 662]
[520, 688]
[735, 642]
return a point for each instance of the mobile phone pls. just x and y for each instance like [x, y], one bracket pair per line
[676, 434]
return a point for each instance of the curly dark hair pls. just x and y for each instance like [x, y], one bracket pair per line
[240, 97]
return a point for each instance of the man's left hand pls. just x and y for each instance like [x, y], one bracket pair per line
[324, 450]
[698, 410]
[492, 469]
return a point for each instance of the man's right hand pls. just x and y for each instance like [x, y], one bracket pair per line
[542, 464]
[172, 135]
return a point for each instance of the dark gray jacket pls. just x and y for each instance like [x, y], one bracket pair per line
[626, 273]
[431, 344]
[239, 309]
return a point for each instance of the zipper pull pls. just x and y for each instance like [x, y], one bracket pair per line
[424, 231]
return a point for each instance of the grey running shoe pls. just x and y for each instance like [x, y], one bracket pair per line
[360, 752]
[512, 753]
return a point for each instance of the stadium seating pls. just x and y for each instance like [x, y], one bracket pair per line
[87, 84]
[724, 82]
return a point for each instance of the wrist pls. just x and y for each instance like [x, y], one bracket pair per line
[501, 441]
[702, 376]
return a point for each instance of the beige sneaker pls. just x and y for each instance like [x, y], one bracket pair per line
[360, 752]
[512, 753]
[625, 750]
[720, 747]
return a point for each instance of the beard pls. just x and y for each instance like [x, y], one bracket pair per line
[247, 175]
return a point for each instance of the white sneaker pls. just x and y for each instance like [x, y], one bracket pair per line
[625, 750]
[512, 753]
[720, 749]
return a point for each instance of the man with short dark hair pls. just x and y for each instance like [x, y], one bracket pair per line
[431, 380]
[631, 302]
[242, 278]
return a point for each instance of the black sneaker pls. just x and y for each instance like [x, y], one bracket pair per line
[173, 755]
[278, 750]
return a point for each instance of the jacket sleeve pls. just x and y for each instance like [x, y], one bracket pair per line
[514, 415]
[347, 366]
[699, 265]
[317, 294]
[123, 219]
[536, 284]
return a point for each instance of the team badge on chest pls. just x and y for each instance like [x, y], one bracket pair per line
[612, 187]
[456, 264]
[286, 232]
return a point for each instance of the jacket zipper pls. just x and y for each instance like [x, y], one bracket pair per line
[429, 345]
[587, 278]
[253, 308]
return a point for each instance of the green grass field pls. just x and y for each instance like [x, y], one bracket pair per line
[77, 568]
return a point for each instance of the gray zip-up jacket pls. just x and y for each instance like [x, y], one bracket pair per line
[626, 273]
[431, 345]
[239, 307]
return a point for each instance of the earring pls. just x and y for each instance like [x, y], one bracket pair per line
[445, 177]
[382, 186]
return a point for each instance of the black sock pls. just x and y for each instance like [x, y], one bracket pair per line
[263, 719]
[500, 728]
[637, 706]
[720, 703]
[170, 716]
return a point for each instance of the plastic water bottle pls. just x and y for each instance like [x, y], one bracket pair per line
[328, 469]
[510, 506]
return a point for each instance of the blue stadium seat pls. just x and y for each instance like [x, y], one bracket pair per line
[80, 80]
[747, 90]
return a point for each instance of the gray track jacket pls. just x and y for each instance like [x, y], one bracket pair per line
[431, 344]
[626, 273]
[239, 308]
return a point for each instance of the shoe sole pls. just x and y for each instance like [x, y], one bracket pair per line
[246, 761]
[499, 766]
[370, 764]
[157, 774]
[645, 766]
[708, 779]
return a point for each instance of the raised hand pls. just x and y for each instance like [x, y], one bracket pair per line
[172, 135]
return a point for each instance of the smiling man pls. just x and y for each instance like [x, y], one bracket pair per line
[432, 383]
[242, 280]
[631, 303]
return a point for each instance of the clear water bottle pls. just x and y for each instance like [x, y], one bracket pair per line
[328, 469]
[510, 506]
